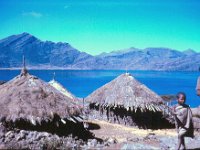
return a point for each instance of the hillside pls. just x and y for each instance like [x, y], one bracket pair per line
[50, 55]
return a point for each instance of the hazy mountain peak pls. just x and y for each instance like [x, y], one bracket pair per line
[189, 52]
[118, 52]
[23, 37]
[37, 52]
[157, 49]
[26, 34]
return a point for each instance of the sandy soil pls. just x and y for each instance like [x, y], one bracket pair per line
[134, 138]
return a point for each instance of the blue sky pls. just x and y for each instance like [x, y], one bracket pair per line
[97, 26]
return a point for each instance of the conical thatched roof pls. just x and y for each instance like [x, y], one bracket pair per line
[63, 90]
[125, 91]
[168, 98]
[29, 98]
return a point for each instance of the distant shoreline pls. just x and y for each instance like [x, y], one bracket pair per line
[17, 68]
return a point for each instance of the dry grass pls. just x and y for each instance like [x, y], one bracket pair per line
[127, 92]
[29, 98]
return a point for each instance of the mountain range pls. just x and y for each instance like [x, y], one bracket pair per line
[50, 55]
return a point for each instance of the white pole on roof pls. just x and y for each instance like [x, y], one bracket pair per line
[54, 75]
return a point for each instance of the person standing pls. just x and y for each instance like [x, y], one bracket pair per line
[183, 120]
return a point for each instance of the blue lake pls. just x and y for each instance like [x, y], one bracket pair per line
[82, 83]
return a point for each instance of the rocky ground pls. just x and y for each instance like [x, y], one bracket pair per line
[108, 136]
[126, 137]
[22, 139]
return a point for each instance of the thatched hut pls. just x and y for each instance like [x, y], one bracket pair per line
[63, 90]
[31, 104]
[126, 100]
[67, 93]
[169, 99]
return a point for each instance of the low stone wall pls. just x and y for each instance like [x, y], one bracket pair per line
[23, 139]
[196, 117]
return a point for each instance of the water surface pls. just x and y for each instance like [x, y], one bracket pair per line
[83, 82]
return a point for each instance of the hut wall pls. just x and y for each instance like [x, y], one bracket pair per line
[120, 115]
[2, 82]
[55, 127]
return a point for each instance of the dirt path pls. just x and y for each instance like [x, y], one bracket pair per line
[133, 138]
[121, 132]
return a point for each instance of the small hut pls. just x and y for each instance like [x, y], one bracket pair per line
[126, 100]
[63, 90]
[29, 103]
[66, 92]
[169, 99]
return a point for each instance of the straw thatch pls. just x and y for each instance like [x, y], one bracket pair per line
[68, 94]
[127, 92]
[28, 98]
[198, 86]
[63, 90]
[126, 101]
[29, 103]
[168, 98]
